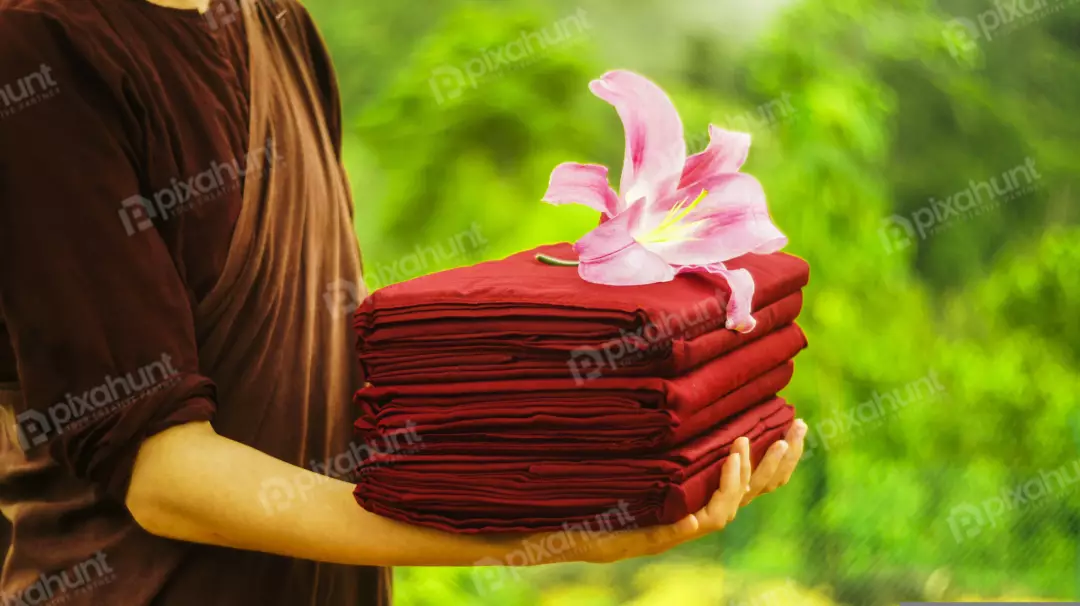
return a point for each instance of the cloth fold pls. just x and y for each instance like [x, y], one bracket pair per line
[518, 318]
[519, 282]
[470, 494]
[685, 395]
[512, 396]
[493, 359]
[557, 426]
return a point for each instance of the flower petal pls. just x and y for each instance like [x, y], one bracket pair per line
[630, 266]
[655, 147]
[726, 153]
[730, 221]
[586, 184]
[612, 235]
[609, 254]
[740, 303]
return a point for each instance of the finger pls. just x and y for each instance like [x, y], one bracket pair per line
[742, 446]
[795, 437]
[744, 482]
[657, 538]
[725, 501]
[766, 471]
[689, 528]
[720, 509]
[684, 530]
[730, 477]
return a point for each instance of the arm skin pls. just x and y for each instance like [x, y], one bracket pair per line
[191, 484]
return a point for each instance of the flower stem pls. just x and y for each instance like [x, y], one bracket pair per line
[541, 257]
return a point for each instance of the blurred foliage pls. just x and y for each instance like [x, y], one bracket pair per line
[861, 110]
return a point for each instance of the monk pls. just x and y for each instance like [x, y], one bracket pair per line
[173, 211]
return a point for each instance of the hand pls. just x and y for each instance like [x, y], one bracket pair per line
[739, 485]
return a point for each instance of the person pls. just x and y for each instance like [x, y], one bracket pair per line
[172, 207]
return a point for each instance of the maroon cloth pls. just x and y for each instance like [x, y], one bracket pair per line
[684, 396]
[524, 285]
[518, 318]
[531, 399]
[472, 361]
[470, 494]
[104, 100]
[557, 426]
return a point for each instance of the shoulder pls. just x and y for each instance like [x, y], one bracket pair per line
[29, 26]
[63, 70]
[52, 17]
[55, 33]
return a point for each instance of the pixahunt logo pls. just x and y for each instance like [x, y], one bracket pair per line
[777, 596]
[898, 233]
[842, 427]
[29, 90]
[449, 82]
[342, 297]
[962, 34]
[138, 213]
[967, 521]
[365, 456]
[588, 363]
[53, 589]
[763, 117]
[561, 546]
[35, 427]
[225, 12]
[279, 494]
[426, 258]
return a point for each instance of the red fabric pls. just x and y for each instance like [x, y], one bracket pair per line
[684, 396]
[469, 494]
[532, 400]
[521, 283]
[486, 360]
[559, 427]
[522, 318]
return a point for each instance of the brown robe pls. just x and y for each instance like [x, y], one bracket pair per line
[130, 309]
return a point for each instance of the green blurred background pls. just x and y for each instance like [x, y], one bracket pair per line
[922, 156]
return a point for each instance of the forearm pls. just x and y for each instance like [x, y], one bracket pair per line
[191, 484]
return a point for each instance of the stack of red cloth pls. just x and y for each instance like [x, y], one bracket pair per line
[533, 399]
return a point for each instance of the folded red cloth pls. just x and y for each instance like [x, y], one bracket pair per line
[469, 494]
[484, 360]
[541, 400]
[516, 309]
[557, 426]
[519, 283]
[685, 395]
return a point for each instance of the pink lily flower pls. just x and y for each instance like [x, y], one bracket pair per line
[672, 214]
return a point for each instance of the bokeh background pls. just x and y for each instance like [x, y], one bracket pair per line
[923, 156]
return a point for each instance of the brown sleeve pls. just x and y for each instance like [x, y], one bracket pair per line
[97, 314]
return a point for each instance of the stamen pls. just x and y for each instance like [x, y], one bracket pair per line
[672, 228]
